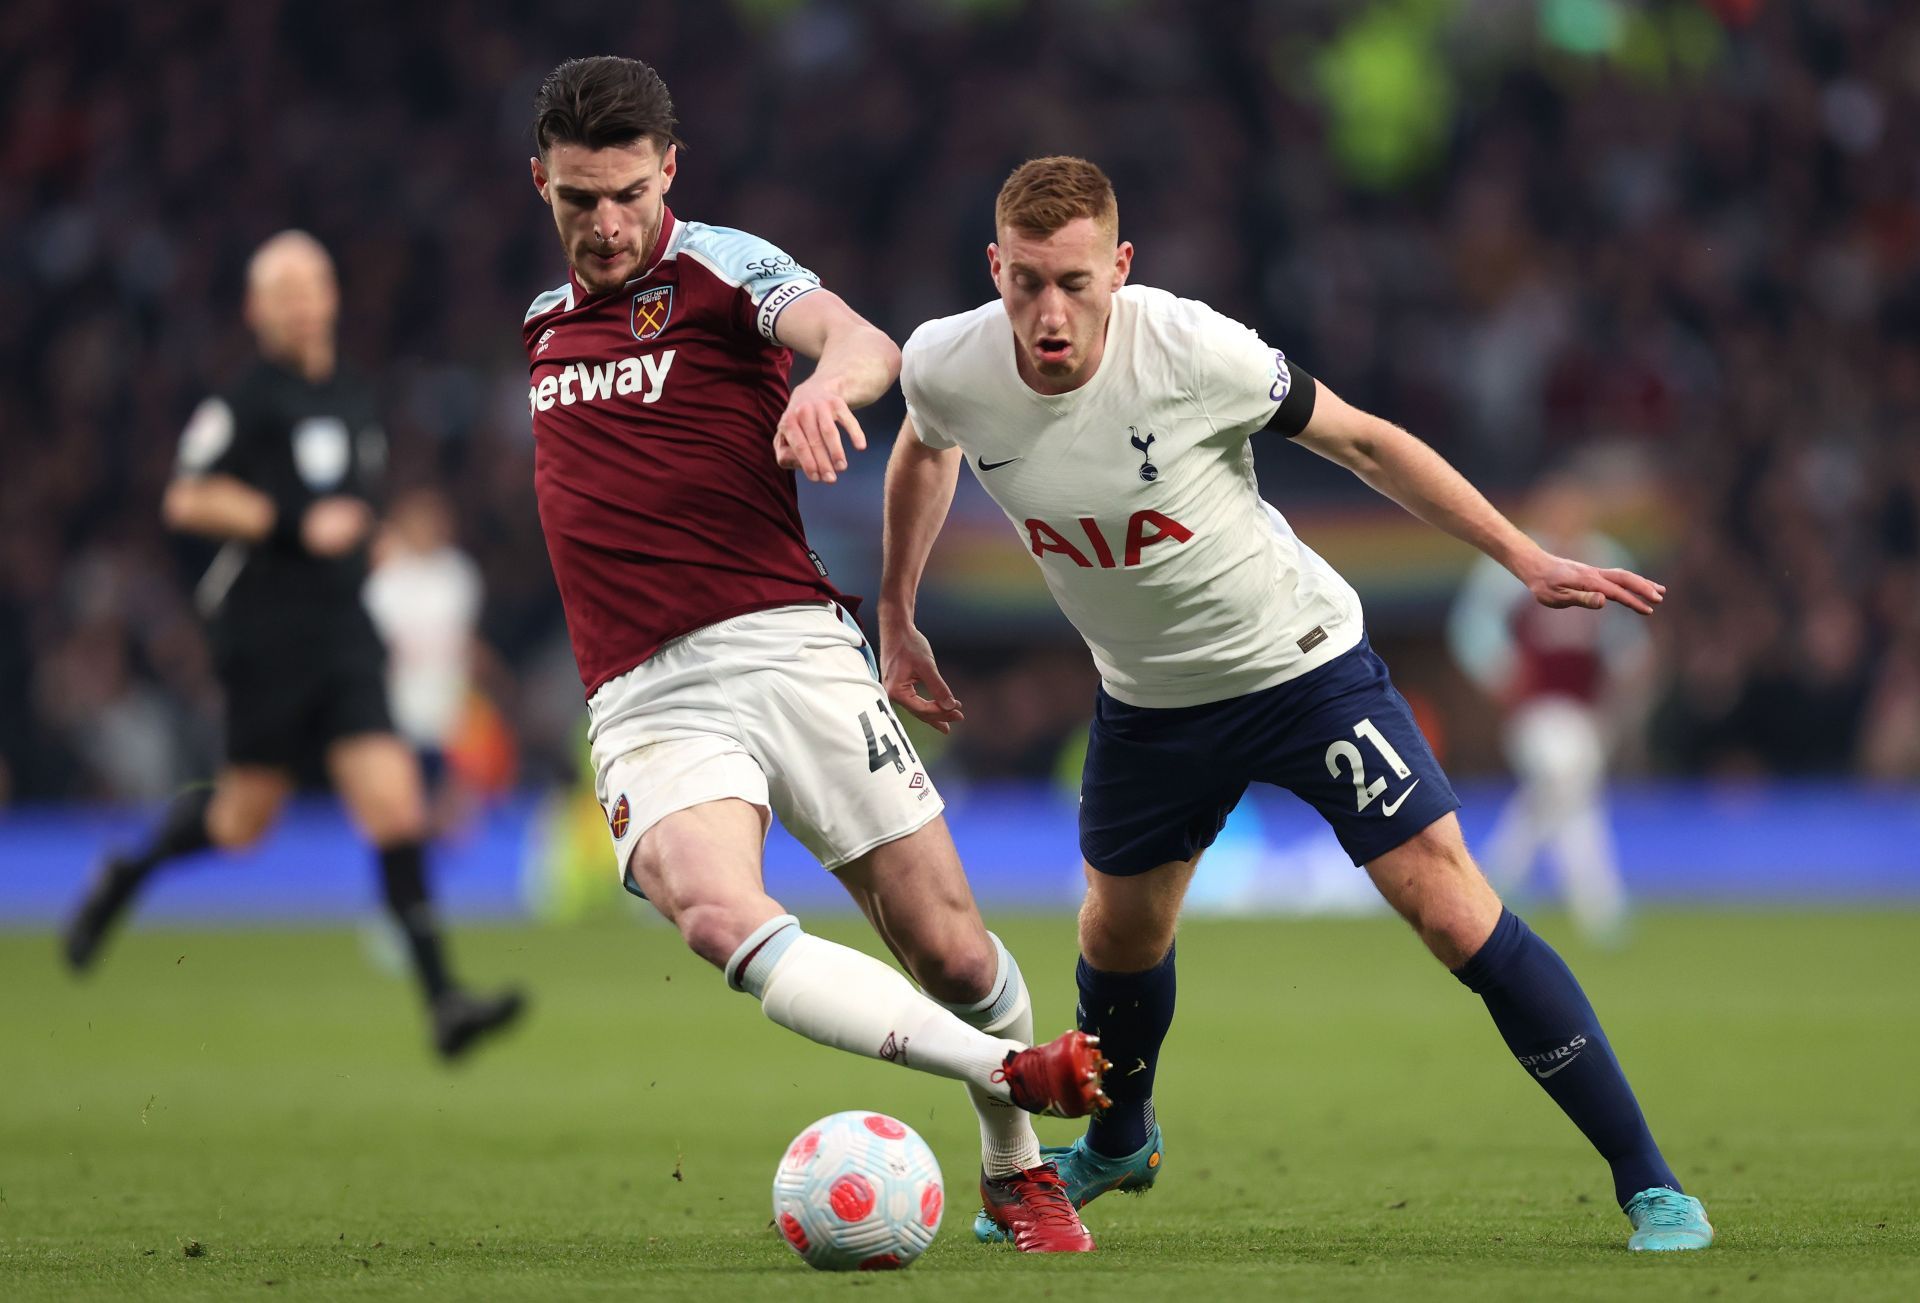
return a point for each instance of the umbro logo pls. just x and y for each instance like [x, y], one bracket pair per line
[894, 1048]
[986, 465]
[545, 340]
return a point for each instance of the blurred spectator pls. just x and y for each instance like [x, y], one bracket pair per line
[1568, 683]
[1700, 244]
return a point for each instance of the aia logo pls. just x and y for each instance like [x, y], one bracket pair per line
[1144, 529]
[652, 310]
[546, 338]
[621, 818]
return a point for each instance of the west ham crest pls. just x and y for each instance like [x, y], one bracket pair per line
[652, 310]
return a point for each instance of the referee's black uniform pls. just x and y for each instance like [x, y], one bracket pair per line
[294, 646]
[296, 650]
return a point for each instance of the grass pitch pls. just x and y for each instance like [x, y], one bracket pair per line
[218, 1114]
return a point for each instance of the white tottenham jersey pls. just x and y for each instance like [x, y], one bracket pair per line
[1136, 495]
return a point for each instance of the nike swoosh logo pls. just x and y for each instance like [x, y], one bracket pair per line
[1392, 807]
[986, 465]
[1555, 1068]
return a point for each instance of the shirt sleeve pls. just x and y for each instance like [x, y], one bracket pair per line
[926, 425]
[1246, 384]
[769, 280]
[207, 442]
[775, 281]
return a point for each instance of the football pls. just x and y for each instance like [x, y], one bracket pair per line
[858, 1191]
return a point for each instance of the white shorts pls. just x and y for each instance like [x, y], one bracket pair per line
[780, 708]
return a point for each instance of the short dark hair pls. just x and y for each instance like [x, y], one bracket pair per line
[603, 102]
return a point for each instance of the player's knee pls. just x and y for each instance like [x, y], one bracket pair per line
[1455, 908]
[1124, 945]
[957, 971]
[238, 825]
[713, 931]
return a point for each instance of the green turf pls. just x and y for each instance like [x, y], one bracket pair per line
[1342, 1122]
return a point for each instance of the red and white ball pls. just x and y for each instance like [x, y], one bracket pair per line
[858, 1191]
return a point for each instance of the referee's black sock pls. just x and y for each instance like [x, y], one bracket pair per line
[403, 876]
[182, 832]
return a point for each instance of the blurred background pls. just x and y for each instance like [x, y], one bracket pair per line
[1649, 273]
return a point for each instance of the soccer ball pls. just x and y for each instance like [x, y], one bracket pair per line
[858, 1190]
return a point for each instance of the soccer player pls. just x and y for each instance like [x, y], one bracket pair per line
[1561, 677]
[425, 596]
[1112, 424]
[724, 677]
[281, 468]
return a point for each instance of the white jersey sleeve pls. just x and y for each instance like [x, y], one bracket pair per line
[1240, 380]
[923, 409]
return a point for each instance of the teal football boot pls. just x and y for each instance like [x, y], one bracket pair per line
[1088, 1175]
[1666, 1221]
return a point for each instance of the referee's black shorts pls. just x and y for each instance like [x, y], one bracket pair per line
[287, 703]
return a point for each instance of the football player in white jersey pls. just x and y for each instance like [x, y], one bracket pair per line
[1112, 424]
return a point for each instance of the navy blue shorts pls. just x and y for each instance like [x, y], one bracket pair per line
[1159, 784]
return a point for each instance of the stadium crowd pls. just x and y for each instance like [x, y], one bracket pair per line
[1701, 262]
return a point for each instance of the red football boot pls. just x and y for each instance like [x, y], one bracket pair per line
[1032, 1209]
[1060, 1078]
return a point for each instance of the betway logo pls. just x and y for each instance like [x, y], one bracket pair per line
[645, 375]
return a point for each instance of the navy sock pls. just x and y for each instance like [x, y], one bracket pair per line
[1130, 1013]
[1547, 1022]
[403, 878]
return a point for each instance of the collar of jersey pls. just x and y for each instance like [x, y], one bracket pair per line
[663, 245]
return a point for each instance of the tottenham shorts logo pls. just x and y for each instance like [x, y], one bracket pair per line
[621, 817]
[652, 310]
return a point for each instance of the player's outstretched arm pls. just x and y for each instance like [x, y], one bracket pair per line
[1403, 468]
[920, 483]
[856, 364]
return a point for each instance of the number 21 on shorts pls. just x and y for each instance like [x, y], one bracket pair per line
[1345, 754]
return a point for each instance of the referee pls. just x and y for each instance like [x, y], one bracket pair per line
[280, 470]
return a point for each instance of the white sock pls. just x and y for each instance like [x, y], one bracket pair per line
[1007, 1141]
[840, 997]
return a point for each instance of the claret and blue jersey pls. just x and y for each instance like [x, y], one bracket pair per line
[653, 412]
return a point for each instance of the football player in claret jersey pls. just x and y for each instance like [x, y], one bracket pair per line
[724, 676]
[281, 469]
[1563, 679]
[1112, 424]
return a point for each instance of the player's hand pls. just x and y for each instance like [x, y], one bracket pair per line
[1555, 581]
[335, 526]
[906, 667]
[808, 436]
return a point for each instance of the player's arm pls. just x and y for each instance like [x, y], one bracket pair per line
[855, 364]
[919, 492]
[1403, 468]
